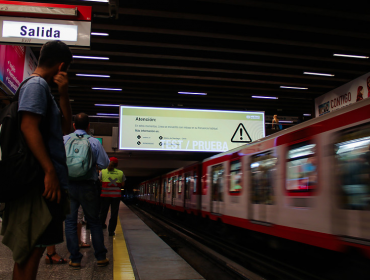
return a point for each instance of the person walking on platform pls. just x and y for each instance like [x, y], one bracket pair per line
[112, 182]
[35, 220]
[83, 191]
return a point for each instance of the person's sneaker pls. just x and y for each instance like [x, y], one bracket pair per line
[103, 262]
[112, 233]
[74, 265]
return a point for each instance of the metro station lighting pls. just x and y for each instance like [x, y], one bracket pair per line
[265, 97]
[90, 57]
[293, 87]
[93, 75]
[351, 55]
[107, 105]
[307, 115]
[99, 34]
[116, 89]
[194, 93]
[318, 74]
[107, 114]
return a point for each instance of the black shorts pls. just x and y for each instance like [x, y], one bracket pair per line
[53, 234]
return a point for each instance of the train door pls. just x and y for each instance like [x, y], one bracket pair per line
[174, 189]
[187, 180]
[262, 168]
[352, 185]
[180, 184]
[164, 190]
[217, 188]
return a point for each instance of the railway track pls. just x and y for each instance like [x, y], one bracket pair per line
[239, 262]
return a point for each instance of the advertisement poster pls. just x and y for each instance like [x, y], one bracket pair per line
[16, 64]
[342, 96]
[159, 129]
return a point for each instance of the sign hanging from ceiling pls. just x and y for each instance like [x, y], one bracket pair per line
[30, 23]
[38, 31]
[167, 129]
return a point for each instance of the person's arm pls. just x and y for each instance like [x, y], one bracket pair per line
[102, 159]
[61, 79]
[123, 180]
[30, 129]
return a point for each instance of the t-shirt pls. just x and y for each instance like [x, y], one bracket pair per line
[35, 97]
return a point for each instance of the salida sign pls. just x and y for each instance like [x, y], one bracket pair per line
[35, 30]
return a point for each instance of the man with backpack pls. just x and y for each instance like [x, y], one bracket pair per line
[84, 153]
[33, 219]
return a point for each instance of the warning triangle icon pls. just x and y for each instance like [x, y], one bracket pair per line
[241, 135]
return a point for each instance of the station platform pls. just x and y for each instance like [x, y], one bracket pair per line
[135, 252]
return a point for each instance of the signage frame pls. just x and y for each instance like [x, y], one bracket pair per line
[120, 147]
[83, 32]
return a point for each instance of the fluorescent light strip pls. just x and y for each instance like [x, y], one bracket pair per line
[285, 121]
[91, 57]
[307, 115]
[194, 93]
[265, 97]
[318, 74]
[107, 114]
[104, 1]
[351, 55]
[103, 117]
[93, 75]
[99, 34]
[293, 87]
[107, 105]
[116, 89]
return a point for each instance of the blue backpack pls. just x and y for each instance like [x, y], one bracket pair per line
[79, 157]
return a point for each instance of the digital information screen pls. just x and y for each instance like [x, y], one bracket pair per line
[163, 129]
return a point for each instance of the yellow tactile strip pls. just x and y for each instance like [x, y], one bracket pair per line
[122, 268]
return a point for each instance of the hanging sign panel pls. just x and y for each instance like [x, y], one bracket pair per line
[35, 31]
[166, 129]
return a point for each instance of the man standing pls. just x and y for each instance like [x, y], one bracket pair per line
[112, 182]
[35, 221]
[85, 193]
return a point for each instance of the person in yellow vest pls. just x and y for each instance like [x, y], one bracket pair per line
[112, 181]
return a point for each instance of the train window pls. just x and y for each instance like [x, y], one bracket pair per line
[301, 168]
[262, 170]
[217, 182]
[180, 184]
[235, 177]
[195, 182]
[353, 166]
[174, 181]
[169, 185]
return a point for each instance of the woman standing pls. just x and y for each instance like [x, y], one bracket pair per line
[275, 123]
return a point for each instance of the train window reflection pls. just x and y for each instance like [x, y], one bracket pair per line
[187, 185]
[169, 185]
[262, 168]
[301, 168]
[235, 177]
[180, 184]
[217, 182]
[353, 167]
[195, 182]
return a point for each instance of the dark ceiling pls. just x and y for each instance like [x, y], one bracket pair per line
[230, 49]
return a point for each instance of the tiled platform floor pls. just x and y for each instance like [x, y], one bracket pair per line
[89, 269]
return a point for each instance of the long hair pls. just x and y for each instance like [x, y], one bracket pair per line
[111, 166]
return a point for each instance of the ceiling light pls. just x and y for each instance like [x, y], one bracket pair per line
[194, 93]
[307, 115]
[285, 121]
[293, 87]
[265, 97]
[318, 74]
[93, 75]
[107, 114]
[97, 88]
[91, 57]
[99, 34]
[71, 100]
[107, 105]
[105, 1]
[110, 117]
[351, 55]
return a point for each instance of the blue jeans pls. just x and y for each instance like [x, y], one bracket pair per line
[86, 195]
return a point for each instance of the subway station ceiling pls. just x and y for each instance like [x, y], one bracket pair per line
[230, 49]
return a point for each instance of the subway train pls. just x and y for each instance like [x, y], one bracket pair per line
[308, 183]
